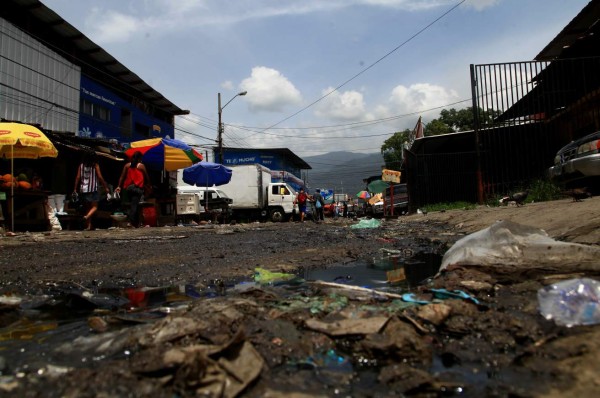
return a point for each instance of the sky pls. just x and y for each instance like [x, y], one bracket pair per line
[320, 75]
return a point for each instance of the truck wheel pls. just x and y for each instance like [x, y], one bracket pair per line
[276, 215]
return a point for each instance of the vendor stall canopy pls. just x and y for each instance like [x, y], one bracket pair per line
[165, 153]
[24, 141]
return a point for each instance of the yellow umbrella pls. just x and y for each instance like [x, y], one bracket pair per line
[23, 141]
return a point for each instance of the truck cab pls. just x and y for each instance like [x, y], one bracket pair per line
[280, 199]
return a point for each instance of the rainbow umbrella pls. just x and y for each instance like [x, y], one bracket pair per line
[363, 195]
[165, 153]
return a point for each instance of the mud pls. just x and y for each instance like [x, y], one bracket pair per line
[72, 335]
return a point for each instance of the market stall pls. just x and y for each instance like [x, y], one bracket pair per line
[25, 201]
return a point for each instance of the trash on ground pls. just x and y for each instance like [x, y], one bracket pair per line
[371, 292]
[395, 275]
[364, 223]
[434, 313]
[264, 276]
[458, 294]
[506, 243]
[345, 327]
[571, 302]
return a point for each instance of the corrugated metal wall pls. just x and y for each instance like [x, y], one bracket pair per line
[36, 85]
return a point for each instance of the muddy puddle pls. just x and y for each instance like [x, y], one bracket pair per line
[35, 327]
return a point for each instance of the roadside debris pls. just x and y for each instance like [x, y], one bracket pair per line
[367, 223]
[509, 245]
[571, 302]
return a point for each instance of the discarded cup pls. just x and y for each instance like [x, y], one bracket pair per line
[571, 302]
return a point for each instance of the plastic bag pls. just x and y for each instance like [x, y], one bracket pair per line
[516, 245]
[571, 302]
[264, 276]
[372, 223]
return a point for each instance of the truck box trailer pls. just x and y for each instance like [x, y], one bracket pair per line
[255, 196]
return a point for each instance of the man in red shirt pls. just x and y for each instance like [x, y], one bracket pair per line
[301, 201]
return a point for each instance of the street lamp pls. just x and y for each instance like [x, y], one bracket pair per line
[220, 139]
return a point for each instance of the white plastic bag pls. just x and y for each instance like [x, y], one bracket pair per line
[509, 243]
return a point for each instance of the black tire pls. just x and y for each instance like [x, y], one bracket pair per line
[277, 215]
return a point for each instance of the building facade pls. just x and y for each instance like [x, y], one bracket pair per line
[53, 76]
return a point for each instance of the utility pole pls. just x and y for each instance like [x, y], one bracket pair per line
[220, 127]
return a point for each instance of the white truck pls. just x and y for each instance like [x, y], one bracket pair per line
[193, 200]
[255, 196]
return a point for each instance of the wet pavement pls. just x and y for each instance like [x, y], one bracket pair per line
[276, 309]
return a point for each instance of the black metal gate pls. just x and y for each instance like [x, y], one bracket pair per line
[524, 112]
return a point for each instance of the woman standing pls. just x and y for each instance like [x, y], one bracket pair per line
[88, 175]
[134, 178]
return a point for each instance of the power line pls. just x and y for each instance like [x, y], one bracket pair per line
[368, 67]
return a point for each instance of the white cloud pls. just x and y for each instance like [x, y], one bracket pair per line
[227, 85]
[269, 90]
[164, 16]
[112, 26]
[420, 97]
[481, 4]
[344, 106]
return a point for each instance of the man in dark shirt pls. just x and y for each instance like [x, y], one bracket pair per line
[319, 203]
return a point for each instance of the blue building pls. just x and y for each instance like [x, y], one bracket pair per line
[284, 164]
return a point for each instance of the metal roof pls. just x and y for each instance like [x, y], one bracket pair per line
[50, 29]
[283, 152]
[580, 38]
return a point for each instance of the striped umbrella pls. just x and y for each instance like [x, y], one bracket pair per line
[165, 153]
[363, 195]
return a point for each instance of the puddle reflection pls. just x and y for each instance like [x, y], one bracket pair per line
[388, 270]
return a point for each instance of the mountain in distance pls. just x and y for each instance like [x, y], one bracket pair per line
[342, 171]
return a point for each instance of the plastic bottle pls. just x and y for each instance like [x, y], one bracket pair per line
[571, 302]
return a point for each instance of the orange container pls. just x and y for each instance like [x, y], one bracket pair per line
[149, 216]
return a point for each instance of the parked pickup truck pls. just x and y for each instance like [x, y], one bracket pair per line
[399, 197]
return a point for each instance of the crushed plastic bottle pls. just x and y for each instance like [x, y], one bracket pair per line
[571, 302]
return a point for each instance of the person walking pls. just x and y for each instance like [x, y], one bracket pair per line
[301, 199]
[319, 203]
[134, 178]
[86, 181]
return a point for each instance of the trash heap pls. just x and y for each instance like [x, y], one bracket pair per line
[284, 336]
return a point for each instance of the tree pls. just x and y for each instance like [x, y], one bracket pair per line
[392, 149]
[452, 121]
[437, 127]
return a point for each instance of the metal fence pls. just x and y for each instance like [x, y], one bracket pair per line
[523, 113]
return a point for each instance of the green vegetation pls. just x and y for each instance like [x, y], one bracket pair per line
[539, 191]
[543, 191]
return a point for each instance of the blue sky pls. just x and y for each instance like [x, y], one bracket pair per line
[321, 75]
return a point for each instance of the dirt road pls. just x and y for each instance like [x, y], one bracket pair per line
[76, 323]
